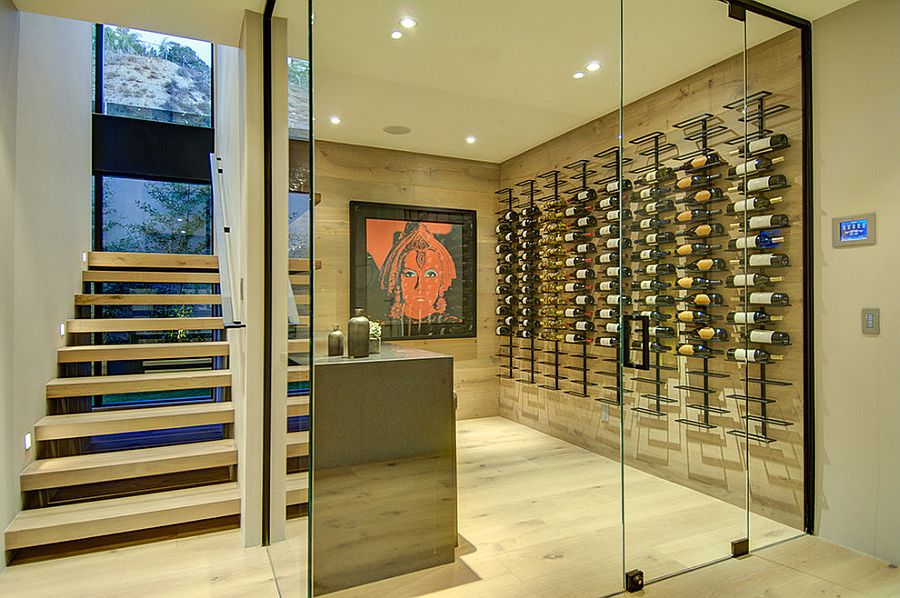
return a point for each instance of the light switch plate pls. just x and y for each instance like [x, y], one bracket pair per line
[871, 321]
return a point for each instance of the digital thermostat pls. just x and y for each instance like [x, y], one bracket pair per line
[851, 231]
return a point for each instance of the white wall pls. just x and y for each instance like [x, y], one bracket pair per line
[856, 96]
[49, 224]
[9, 57]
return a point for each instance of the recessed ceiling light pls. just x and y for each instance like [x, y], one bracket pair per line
[578, 75]
[396, 130]
[408, 22]
[471, 139]
[335, 120]
[592, 66]
[396, 34]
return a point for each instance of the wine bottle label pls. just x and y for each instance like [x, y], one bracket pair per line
[686, 282]
[647, 223]
[572, 338]
[612, 271]
[608, 342]
[759, 145]
[501, 309]
[608, 258]
[748, 280]
[686, 316]
[613, 214]
[746, 168]
[705, 264]
[651, 238]
[582, 300]
[651, 300]
[761, 221]
[611, 327]
[582, 325]
[585, 221]
[703, 230]
[608, 285]
[647, 254]
[651, 177]
[745, 205]
[706, 333]
[746, 242]
[702, 299]
[612, 187]
[685, 216]
[762, 336]
[651, 207]
[582, 195]
[704, 195]
[684, 183]
[614, 299]
[582, 274]
[509, 300]
[573, 312]
[758, 184]
[607, 230]
[646, 193]
[608, 313]
[571, 287]
[685, 249]
[761, 298]
[686, 350]
[572, 211]
[746, 317]
[762, 259]
[571, 237]
[572, 262]
[745, 355]
[583, 248]
[607, 203]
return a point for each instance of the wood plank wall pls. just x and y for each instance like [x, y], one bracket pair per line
[347, 173]
[709, 461]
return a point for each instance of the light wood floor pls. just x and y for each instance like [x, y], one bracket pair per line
[538, 518]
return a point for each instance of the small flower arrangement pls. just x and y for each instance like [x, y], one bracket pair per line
[374, 329]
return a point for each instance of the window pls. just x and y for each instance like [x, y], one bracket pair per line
[157, 77]
[298, 98]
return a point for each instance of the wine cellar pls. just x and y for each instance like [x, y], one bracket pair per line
[677, 253]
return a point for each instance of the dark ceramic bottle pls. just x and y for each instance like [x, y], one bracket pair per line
[335, 342]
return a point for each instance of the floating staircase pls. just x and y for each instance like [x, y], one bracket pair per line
[139, 431]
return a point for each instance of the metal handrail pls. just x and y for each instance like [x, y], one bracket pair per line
[223, 245]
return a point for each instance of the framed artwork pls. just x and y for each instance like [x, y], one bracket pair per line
[413, 269]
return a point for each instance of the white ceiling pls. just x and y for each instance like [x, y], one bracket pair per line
[497, 69]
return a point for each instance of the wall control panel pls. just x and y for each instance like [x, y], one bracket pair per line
[852, 231]
[871, 321]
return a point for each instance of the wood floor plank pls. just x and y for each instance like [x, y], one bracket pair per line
[148, 299]
[119, 465]
[89, 353]
[99, 518]
[83, 386]
[143, 276]
[298, 444]
[161, 261]
[82, 325]
[120, 421]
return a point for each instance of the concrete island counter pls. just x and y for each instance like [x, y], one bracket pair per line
[384, 466]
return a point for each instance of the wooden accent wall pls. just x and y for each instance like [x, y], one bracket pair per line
[709, 461]
[347, 173]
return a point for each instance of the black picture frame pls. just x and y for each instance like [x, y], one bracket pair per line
[458, 300]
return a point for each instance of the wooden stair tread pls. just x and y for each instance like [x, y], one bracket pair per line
[84, 353]
[150, 277]
[78, 425]
[62, 523]
[117, 465]
[162, 261]
[298, 373]
[298, 488]
[147, 299]
[82, 386]
[297, 406]
[297, 444]
[81, 325]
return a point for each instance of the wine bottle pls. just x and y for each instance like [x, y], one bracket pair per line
[661, 331]
[503, 248]
[709, 264]
[510, 258]
[657, 207]
[503, 310]
[692, 350]
[652, 346]
[769, 337]
[750, 317]
[660, 238]
[651, 193]
[696, 249]
[663, 300]
[526, 289]
[524, 334]
[503, 290]
[528, 245]
[525, 312]
[554, 203]
[648, 255]
[607, 313]
[503, 227]
[660, 175]
[528, 223]
[574, 312]
[751, 204]
[762, 240]
[531, 324]
[510, 320]
[765, 222]
[766, 144]
[654, 315]
[609, 285]
[618, 243]
[608, 230]
[767, 260]
[577, 262]
[694, 316]
[754, 166]
[704, 161]
[577, 211]
[695, 214]
[608, 258]
[510, 216]
[549, 311]
[585, 221]
[705, 299]
[526, 300]
[574, 337]
[551, 252]
[583, 300]
[583, 274]
[509, 300]
[529, 278]
[503, 268]
[615, 187]
[616, 215]
[576, 287]
[763, 183]
[617, 299]
[659, 269]
[585, 248]
[695, 180]
[503, 330]
[695, 282]
[708, 333]
[583, 326]
[531, 233]
[758, 298]
[584, 196]
[706, 196]
[609, 203]
[530, 212]
[750, 280]
[650, 285]
[701, 231]
[751, 356]
[611, 327]
[529, 256]
[552, 227]
[577, 236]
[650, 223]
[509, 237]
[607, 341]
[616, 271]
